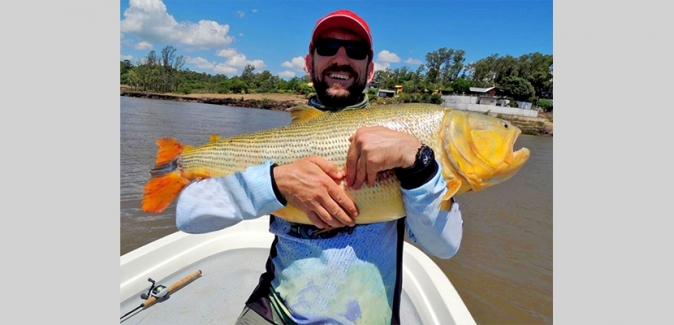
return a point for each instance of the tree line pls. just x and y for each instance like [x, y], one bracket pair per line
[525, 78]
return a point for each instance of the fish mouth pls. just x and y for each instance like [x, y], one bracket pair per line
[518, 158]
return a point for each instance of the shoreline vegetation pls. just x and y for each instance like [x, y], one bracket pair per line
[539, 126]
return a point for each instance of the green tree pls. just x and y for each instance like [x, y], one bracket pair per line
[461, 85]
[518, 88]
[247, 75]
[237, 85]
[444, 65]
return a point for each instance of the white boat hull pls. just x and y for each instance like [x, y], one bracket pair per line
[434, 299]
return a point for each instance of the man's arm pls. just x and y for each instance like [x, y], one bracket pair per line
[216, 203]
[309, 184]
[437, 231]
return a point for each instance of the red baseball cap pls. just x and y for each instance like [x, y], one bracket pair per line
[342, 19]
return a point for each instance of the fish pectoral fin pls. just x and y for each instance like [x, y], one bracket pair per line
[214, 138]
[304, 113]
[453, 186]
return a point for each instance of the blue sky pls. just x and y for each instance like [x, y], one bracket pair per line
[218, 36]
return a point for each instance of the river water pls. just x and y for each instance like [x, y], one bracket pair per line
[503, 270]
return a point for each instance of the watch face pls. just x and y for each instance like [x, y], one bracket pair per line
[425, 155]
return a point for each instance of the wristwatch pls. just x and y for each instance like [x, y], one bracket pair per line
[423, 158]
[424, 168]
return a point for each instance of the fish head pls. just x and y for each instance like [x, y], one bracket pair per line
[480, 148]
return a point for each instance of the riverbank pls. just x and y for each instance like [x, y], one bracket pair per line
[271, 101]
[541, 125]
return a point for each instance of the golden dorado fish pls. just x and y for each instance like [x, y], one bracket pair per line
[474, 150]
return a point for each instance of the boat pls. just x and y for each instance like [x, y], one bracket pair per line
[205, 279]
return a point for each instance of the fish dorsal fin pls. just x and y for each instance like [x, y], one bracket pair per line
[304, 113]
[214, 138]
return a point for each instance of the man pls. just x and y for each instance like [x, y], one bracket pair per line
[332, 271]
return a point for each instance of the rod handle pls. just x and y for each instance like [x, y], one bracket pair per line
[173, 287]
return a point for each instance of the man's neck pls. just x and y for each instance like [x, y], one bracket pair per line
[361, 103]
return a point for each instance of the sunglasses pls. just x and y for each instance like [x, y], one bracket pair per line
[356, 50]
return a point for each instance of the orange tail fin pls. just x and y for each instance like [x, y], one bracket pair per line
[169, 149]
[161, 191]
[167, 180]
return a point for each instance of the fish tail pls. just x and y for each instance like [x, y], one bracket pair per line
[167, 179]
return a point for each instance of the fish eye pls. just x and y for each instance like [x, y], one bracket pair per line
[506, 125]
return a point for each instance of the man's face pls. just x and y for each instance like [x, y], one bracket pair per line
[339, 80]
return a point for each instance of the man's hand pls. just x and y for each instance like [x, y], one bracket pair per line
[374, 149]
[310, 184]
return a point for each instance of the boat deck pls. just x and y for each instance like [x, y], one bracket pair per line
[218, 295]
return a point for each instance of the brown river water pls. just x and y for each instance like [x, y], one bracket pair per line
[503, 270]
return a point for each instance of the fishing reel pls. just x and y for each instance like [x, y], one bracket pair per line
[157, 291]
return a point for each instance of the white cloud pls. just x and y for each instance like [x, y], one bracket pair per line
[297, 63]
[200, 63]
[150, 21]
[387, 57]
[226, 53]
[384, 60]
[286, 74]
[413, 61]
[258, 64]
[238, 60]
[126, 57]
[240, 13]
[240, 34]
[254, 10]
[233, 62]
[224, 69]
[381, 66]
[143, 46]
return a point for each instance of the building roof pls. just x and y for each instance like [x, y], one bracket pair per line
[481, 90]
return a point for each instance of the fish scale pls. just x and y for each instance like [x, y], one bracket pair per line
[325, 134]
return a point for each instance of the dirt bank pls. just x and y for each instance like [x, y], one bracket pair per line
[265, 101]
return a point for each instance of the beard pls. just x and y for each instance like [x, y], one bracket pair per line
[336, 95]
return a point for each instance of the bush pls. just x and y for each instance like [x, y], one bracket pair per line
[436, 99]
[545, 104]
[186, 89]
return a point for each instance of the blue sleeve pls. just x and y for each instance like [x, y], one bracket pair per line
[438, 232]
[216, 203]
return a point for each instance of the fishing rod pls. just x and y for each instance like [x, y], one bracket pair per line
[160, 291]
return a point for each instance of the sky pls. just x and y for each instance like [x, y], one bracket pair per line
[222, 36]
